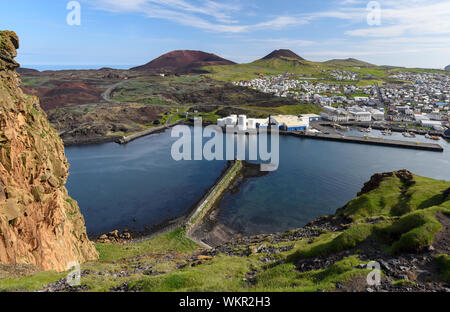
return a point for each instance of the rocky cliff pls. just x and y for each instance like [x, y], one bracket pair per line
[40, 224]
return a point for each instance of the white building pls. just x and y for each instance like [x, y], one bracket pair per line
[430, 123]
[335, 114]
[290, 122]
[377, 115]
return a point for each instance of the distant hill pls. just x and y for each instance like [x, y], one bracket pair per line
[27, 71]
[282, 53]
[348, 62]
[447, 68]
[183, 61]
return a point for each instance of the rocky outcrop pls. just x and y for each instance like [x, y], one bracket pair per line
[40, 224]
[405, 177]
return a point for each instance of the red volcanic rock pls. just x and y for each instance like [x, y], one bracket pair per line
[183, 61]
[282, 53]
[65, 94]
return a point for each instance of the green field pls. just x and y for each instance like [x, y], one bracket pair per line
[379, 74]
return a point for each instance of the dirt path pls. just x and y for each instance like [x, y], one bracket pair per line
[107, 94]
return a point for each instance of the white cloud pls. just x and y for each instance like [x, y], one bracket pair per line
[210, 15]
[409, 18]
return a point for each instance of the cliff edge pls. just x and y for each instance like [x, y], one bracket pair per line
[40, 224]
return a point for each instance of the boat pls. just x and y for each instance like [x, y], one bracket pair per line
[386, 132]
[427, 136]
[408, 135]
[436, 138]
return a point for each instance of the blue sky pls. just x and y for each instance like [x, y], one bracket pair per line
[413, 33]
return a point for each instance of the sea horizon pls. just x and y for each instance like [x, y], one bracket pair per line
[74, 67]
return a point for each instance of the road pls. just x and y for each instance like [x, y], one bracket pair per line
[107, 94]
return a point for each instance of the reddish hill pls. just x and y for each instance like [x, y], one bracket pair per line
[65, 94]
[183, 61]
[27, 71]
[282, 53]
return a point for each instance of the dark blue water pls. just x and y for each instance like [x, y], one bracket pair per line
[135, 185]
[115, 184]
[316, 177]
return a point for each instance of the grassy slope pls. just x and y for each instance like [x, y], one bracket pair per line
[407, 222]
[280, 66]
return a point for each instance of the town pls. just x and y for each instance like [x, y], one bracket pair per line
[420, 100]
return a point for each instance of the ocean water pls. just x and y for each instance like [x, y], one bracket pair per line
[139, 185]
[75, 67]
[317, 177]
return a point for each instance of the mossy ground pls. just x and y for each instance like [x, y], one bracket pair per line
[444, 266]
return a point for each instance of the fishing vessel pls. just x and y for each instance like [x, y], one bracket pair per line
[408, 134]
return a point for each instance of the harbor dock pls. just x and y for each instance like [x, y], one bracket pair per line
[127, 139]
[369, 140]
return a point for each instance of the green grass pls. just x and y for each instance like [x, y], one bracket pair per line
[173, 241]
[389, 199]
[31, 282]
[328, 244]
[226, 273]
[444, 266]
[223, 273]
[403, 283]
[416, 230]
[285, 277]
[267, 67]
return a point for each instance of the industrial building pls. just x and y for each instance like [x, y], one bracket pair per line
[290, 122]
[437, 125]
[283, 122]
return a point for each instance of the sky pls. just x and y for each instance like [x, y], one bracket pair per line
[413, 33]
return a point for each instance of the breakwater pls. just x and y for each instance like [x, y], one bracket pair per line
[127, 139]
[210, 199]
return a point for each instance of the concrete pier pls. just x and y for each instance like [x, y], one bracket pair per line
[127, 139]
[369, 140]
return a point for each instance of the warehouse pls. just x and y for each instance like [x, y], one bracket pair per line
[430, 123]
[290, 122]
